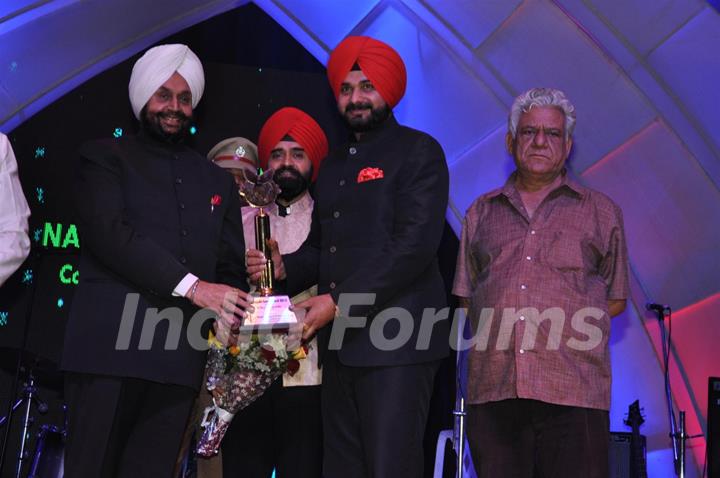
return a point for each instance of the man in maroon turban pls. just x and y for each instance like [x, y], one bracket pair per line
[378, 220]
[286, 421]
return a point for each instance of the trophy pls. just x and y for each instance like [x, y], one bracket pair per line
[271, 310]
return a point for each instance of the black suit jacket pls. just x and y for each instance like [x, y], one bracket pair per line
[145, 221]
[380, 237]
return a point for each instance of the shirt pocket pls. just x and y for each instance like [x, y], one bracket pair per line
[481, 258]
[565, 251]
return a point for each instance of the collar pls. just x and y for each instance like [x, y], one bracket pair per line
[387, 126]
[568, 183]
[300, 203]
[161, 146]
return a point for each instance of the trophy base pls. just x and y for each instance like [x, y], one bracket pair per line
[271, 312]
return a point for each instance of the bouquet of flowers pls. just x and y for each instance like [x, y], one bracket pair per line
[237, 375]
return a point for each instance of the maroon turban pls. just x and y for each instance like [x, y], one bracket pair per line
[301, 128]
[380, 63]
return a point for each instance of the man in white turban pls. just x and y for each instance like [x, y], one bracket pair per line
[162, 237]
[163, 70]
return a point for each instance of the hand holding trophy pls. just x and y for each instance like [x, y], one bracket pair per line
[240, 373]
[271, 310]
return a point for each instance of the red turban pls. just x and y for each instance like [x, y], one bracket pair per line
[300, 127]
[380, 63]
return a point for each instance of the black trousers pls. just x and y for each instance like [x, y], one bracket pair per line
[282, 430]
[123, 427]
[374, 419]
[520, 438]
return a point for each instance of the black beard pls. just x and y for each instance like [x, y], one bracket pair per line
[151, 124]
[359, 125]
[292, 185]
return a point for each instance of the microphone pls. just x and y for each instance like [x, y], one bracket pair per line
[656, 307]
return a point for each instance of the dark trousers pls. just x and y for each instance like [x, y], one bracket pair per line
[123, 427]
[520, 438]
[282, 430]
[374, 419]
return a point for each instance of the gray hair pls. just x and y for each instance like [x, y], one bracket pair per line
[542, 97]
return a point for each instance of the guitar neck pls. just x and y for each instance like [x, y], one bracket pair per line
[639, 466]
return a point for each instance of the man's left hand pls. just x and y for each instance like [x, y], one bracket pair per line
[255, 262]
[319, 311]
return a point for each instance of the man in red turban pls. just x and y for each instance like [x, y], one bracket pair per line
[382, 65]
[299, 127]
[379, 217]
[286, 421]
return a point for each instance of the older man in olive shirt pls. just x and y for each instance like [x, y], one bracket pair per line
[542, 268]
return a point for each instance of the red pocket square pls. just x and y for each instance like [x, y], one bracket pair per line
[370, 174]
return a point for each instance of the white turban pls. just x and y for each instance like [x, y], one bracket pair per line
[157, 65]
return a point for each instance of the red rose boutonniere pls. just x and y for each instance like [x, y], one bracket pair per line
[216, 200]
[370, 174]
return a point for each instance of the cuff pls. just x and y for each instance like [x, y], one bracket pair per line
[183, 287]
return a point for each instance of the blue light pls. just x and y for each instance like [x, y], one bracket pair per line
[40, 195]
[27, 276]
[193, 130]
[118, 132]
[37, 235]
[13, 67]
[40, 152]
[60, 303]
[3, 318]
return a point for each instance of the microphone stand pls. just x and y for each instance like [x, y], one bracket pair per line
[678, 441]
[459, 414]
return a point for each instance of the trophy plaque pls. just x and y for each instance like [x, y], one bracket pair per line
[272, 311]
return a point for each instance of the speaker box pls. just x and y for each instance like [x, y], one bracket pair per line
[713, 427]
[620, 455]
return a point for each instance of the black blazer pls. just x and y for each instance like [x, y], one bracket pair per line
[146, 219]
[381, 237]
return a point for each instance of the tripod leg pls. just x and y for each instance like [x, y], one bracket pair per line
[14, 407]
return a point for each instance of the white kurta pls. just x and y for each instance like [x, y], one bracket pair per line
[14, 213]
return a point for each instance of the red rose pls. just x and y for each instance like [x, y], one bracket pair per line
[267, 354]
[215, 200]
[293, 366]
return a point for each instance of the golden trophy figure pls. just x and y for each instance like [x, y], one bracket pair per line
[272, 311]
